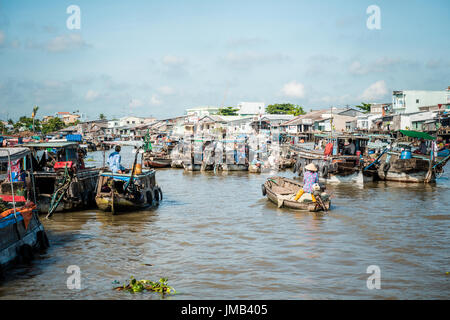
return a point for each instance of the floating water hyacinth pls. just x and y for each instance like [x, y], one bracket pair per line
[134, 286]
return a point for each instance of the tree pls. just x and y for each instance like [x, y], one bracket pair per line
[101, 116]
[27, 123]
[2, 128]
[52, 125]
[364, 107]
[228, 111]
[33, 115]
[297, 111]
[285, 108]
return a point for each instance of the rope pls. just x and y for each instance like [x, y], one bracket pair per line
[65, 186]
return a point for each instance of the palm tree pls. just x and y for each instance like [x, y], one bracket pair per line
[33, 115]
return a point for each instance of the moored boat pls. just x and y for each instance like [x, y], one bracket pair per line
[63, 182]
[21, 232]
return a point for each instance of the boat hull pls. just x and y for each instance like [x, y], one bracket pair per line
[163, 163]
[286, 203]
[14, 237]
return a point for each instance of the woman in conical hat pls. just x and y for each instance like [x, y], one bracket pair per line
[311, 167]
[310, 178]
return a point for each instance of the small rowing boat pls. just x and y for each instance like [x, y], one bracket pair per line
[282, 191]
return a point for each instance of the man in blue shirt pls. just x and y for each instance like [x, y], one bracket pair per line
[114, 161]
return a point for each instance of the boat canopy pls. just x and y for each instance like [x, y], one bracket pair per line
[133, 143]
[14, 153]
[417, 134]
[62, 144]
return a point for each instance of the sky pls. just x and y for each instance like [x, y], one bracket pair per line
[158, 58]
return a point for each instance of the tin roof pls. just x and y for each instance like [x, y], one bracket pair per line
[14, 153]
[58, 144]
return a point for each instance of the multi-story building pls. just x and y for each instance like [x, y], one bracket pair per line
[410, 101]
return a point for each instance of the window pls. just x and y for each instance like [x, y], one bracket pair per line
[417, 100]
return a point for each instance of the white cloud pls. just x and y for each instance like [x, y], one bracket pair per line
[66, 42]
[293, 89]
[357, 68]
[377, 90]
[166, 90]
[170, 60]
[155, 101]
[91, 95]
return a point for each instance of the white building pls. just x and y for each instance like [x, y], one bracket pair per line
[409, 101]
[251, 108]
[199, 112]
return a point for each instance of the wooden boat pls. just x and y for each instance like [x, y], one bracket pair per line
[63, 182]
[154, 161]
[281, 191]
[411, 167]
[21, 232]
[333, 168]
[126, 192]
[253, 168]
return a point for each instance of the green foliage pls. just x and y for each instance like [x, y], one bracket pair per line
[365, 107]
[35, 110]
[27, 123]
[134, 286]
[228, 111]
[101, 116]
[52, 125]
[2, 128]
[285, 108]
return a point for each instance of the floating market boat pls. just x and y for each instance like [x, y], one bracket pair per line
[153, 160]
[333, 166]
[21, 232]
[127, 192]
[282, 192]
[399, 163]
[63, 182]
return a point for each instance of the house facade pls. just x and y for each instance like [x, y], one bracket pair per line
[410, 101]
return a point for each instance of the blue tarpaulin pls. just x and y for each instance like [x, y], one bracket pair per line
[74, 137]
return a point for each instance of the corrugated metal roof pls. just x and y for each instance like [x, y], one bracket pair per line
[14, 153]
[61, 144]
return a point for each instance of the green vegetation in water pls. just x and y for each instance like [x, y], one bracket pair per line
[134, 286]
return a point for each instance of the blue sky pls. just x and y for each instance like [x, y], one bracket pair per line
[157, 58]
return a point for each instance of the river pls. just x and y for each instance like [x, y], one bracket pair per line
[217, 237]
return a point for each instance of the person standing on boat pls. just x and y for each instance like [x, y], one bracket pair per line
[310, 178]
[114, 160]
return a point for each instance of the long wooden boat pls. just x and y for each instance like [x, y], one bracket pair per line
[21, 232]
[417, 169]
[398, 163]
[125, 192]
[63, 182]
[156, 159]
[281, 191]
[156, 162]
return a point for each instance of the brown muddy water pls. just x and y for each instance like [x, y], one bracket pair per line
[216, 237]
